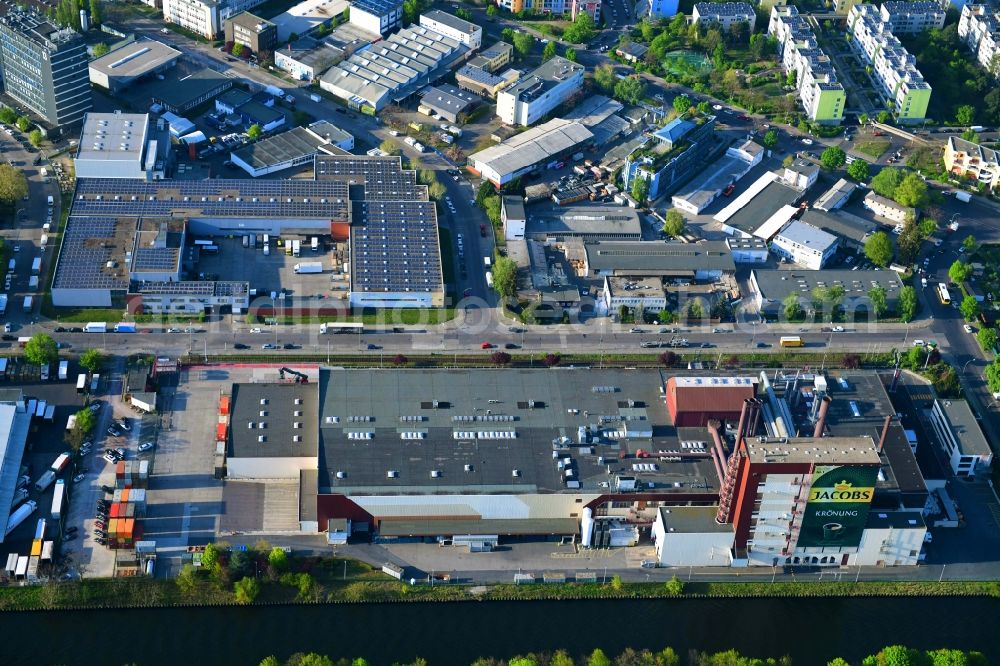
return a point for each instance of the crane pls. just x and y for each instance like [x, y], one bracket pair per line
[297, 377]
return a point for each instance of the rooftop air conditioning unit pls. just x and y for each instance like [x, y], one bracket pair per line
[392, 474]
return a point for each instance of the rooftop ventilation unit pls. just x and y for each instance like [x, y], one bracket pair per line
[469, 468]
[515, 473]
[263, 401]
[341, 475]
[262, 425]
[261, 438]
[392, 474]
[435, 474]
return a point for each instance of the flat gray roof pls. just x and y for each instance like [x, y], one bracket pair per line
[280, 148]
[451, 21]
[492, 526]
[842, 224]
[712, 180]
[966, 428]
[816, 450]
[546, 76]
[776, 285]
[382, 178]
[459, 436]
[595, 220]
[447, 98]
[113, 136]
[658, 257]
[514, 207]
[895, 519]
[807, 235]
[271, 409]
[135, 59]
[836, 195]
[179, 93]
[768, 202]
[692, 519]
[533, 146]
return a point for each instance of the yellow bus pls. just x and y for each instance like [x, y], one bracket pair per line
[790, 341]
[943, 295]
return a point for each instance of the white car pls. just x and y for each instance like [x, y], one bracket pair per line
[918, 343]
[255, 330]
[808, 142]
[717, 107]
[164, 31]
[968, 329]
[838, 329]
[146, 446]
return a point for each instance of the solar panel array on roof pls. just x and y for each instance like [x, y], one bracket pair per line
[155, 259]
[395, 247]
[383, 177]
[88, 245]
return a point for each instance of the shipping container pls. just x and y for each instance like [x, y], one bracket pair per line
[57, 499]
[22, 567]
[81, 382]
[63, 370]
[47, 547]
[29, 303]
[36, 548]
[45, 480]
[31, 575]
[11, 564]
[50, 413]
[40, 528]
[309, 267]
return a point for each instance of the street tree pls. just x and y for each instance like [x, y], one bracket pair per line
[630, 90]
[886, 181]
[35, 137]
[13, 186]
[970, 308]
[523, 43]
[237, 49]
[833, 158]
[549, 51]
[505, 277]
[987, 338]
[604, 77]
[907, 303]
[970, 245]
[278, 558]
[500, 358]
[877, 296]
[992, 375]
[41, 349]
[23, 123]
[912, 191]
[92, 360]
[210, 559]
[770, 139]
[792, 307]
[959, 271]
[884, 117]
[863, 119]
[570, 53]
[582, 30]
[682, 103]
[673, 224]
[858, 170]
[878, 248]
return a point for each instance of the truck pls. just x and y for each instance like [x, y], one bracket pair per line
[267, 250]
[11, 265]
[3, 303]
[315, 243]
[457, 131]
[59, 464]
[81, 382]
[20, 515]
[57, 499]
[45, 480]
[96, 327]
[963, 196]
[274, 91]
[63, 370]
[417, 127]
[296, 248]
[19, 496]
[417, 146]
[309, 267]
[125, 327]
[316, 98]
[29, 303]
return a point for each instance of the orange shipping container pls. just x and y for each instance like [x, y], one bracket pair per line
[224, 404]
[113, 526]
[36, 547]
[125, 492]
[129, 527]
[220, 432]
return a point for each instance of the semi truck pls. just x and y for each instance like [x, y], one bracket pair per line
[29, 303]
[309, 267]
[57, 499]
[20, 515]
[3, 303]
[96, 327]
[963, 196]
[36, 265]
[45, 480]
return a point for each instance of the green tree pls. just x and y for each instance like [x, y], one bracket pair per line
[912, 191]
[237, 49]
[758, 45]
[886, 181]
[837, 662]
[792, 308]
[505, 277]
[507, 35]
[41, 349]
[549, 51]
[673, 224]
[313, 659]
[13, 186]
[86, 421]
[485, 190]
[970, 245]
[858, 170]
[23, 123]
[570, 54]
[704, 108]
[908, 243]
[674, 586]
[970, 308]
[597, 657]
[270, 661]
[770, 139]
[187, 580]
[100, 50]
[833, 158]
[491, 11]
[254, 132]
[390, 147]
[884, 117]
[863, 119]
[639, 189]
[682, 103]
[965, 114]
[604, 77]
[436, 191]
[878, 300]
[987, 338]
[8, 115]
[278, 558]
[581, 31]
[210, 559]
[96, 14]
[492, 208]
[560, 658]
[246, 590]
[35, 137]
[928, 226]
[522, 661]
[92, 360]
[411, 11]
[630, 90]
[992, 375]
[523, 43]
[959, 271]
[878, 248]
[907, 303]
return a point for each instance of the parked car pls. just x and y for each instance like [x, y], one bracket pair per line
[146, 446]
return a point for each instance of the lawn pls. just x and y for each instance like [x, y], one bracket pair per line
[873, 147]
[550, 28]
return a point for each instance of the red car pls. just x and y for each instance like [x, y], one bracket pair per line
[729, 190]
[486, 345]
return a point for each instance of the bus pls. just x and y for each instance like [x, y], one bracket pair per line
[943, 295]
[342, 327]
[790, 341]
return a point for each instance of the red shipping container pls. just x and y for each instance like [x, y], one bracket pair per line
[224, 405]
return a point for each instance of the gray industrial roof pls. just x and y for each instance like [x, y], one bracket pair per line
[776, 285]
[896, 519]
[848, 226]
[180, 93]
[692, 519]
[383, 178]
[135, 59]
[89, 245]
[513, 207]
[533, 146]
[818, 450]
[498, 526]
[631, 257]
[596, 220]
[158, 246]
[378, 7]
[806, 235]
[712, 180]
[836, 196]
[546, 76]
[451, 21]
[447, 98]
[963, 422]
[268, 411]
[215, 288]
[280, 148]
[593, 110]
[14, 426]
[458, 436]
[763, 206]
[113, 136]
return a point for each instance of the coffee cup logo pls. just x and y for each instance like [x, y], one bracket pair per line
[832, 531]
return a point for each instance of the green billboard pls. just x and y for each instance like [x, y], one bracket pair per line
[837, 509]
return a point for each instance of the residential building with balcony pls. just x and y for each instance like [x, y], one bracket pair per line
[822, 97]
[979, 28]
[199, 16]
[912, 17]
[724, 14]
[970, 160]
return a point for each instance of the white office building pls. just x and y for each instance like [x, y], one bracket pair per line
[805, 245]
[377, 16]
[122, 145]
[199, 16]
[958, 431]
[463, 32]
[541, 91]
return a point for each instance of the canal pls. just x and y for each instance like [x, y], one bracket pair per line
[811, 631]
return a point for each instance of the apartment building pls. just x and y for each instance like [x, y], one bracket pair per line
[199, 16]
[894, 69]
[463, 32]
[822, 96]
[539, 6]
[979, 28]
[538, 93]
[45, 68]
[252, 32]
[912, 17]
[724, 14]
[592, 7]
[970, 160]
[663, 8]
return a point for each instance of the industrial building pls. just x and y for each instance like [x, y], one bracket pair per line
[805, 245]
[180, 95]
[591, 222]
[769, 203]
[836, 196]
[132, 63]
[637, 294]
[44, 68]
[275, 431]
[707, 260]
[728, 170]
[539, 92]
[296, 147]
[446, 102]
[306, 58]
[513, 217]
[958, 431]
[850, 230]
[693, 401]
[15, 422]
[672, 155]
[449, 25]
[123, 145]
[199, 16]
[379, 17]
[529, 150]
[821, 95]
[251, 32]
[770, 288]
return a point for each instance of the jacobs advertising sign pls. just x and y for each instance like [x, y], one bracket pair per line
[837, 509]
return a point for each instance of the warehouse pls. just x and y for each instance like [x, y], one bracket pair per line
[131, 64]
[274, 431]
[770, 288]
[593, 222]
[15, 422]
[708, 260]
[529, 150]
[692, 401]
[296, 147]
[180, 95]
[446, 102]
[123, 145]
